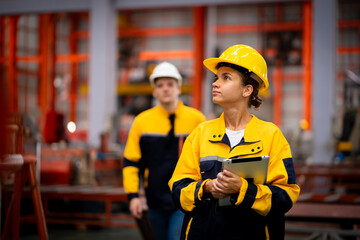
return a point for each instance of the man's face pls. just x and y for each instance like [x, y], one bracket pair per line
[166, 90]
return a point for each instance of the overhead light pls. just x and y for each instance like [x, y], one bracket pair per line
[71, 127]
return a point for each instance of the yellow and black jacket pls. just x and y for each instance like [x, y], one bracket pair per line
[151, 152]
[257, 211]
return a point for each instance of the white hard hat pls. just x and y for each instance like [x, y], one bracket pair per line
[165, 69]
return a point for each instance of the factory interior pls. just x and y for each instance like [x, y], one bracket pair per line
[75, 74]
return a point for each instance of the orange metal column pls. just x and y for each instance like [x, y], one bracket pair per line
[278, 103]
[278, 93]
[12, 83]
[306, 52]
[74, 64]
[199, 13]
[4, 106]
[52, 52]
[46, 93]
[2, 40]
[43, 66]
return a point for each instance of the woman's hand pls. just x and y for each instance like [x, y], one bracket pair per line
[225, 184]
[210, 188]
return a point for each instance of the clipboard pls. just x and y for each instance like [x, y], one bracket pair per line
[253, 169]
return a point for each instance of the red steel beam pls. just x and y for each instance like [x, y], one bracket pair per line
[65, 58]
[154, 32]
[43, 67]
[81, 34]
[306, 52]
[171, 54]
[28, 59]
[74, 80]
[52, 53]
[11, 68]
[279, 14]
[46, 96]
[41, 71]
[199, 25]
[277, 109]
[347, 50]
[349, 23]
[2, 52]
[2, 37]
[264, 27]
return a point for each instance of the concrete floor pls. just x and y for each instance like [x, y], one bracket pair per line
[93, 233]
[99, 233]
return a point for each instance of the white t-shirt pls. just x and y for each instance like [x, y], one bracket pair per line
[235, 136]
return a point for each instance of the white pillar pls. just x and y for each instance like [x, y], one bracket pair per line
[323, 79]
[210, 45]
[102, 82]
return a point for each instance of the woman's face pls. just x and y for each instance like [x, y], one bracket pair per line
[228, 87]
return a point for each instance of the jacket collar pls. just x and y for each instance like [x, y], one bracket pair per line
[163, 111]
[251, 133]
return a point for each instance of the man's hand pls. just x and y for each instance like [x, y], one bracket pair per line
[136, 207]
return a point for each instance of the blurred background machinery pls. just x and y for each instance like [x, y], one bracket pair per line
[77, 75]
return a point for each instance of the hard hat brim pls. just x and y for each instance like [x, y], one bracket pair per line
[211, 64]
[178, 79]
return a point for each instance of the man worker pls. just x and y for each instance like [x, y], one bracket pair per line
[152, 151]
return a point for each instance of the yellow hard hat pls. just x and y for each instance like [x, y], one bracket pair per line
[246, 57]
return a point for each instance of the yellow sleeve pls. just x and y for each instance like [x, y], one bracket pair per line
[186, 181]
[132, 155]
[280, 191]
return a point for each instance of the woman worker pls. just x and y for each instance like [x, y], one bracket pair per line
[255, 211]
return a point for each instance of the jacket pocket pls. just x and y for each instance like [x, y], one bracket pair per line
[246, 149]
[209, 169]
